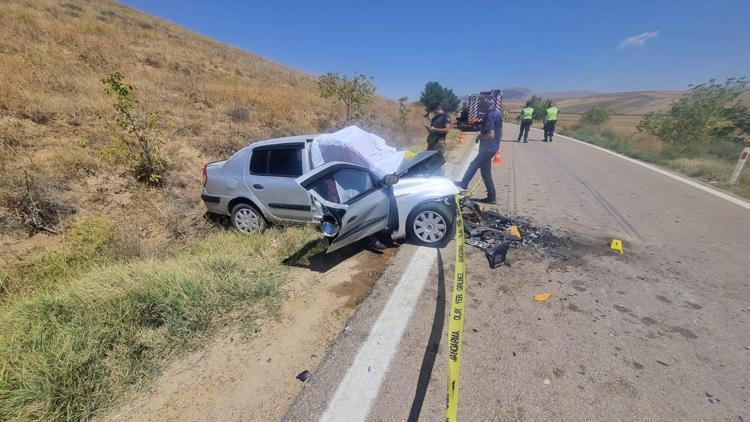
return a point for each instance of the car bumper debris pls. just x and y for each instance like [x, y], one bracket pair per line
[495, 233]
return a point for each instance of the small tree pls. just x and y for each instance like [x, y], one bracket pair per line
[355, 92]
[710, 114]
[595, 116]
[141, 138]
[403, 113]
[435, 94]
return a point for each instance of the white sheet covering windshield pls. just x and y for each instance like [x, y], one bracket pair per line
[356, 146]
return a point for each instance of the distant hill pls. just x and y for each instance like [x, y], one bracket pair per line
[627, 103]
[516, 93]
[521, 93]
[564, 95]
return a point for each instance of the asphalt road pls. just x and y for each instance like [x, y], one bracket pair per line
[660, 333]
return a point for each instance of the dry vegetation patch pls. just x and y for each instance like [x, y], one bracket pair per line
[103, 278]
[211, 99]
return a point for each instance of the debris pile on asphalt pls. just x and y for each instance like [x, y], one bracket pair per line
[495, 233]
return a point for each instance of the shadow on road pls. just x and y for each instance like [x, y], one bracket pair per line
[430, 353]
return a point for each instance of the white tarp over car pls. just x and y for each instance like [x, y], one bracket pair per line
[356, 146]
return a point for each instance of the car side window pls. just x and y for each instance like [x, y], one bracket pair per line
[343, 186]
[285, 162]
[259, 162]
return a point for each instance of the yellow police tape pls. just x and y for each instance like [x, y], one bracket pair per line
[456, 323]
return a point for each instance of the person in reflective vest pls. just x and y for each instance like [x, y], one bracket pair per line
[527, 117]
[550, 120]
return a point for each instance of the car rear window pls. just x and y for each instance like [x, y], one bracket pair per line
[285, 162]
[259, 162]
[277, 162]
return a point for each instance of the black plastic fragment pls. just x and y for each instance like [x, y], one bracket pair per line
[496, 254]
[304, 375]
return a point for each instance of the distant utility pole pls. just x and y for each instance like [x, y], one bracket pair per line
[740, 164]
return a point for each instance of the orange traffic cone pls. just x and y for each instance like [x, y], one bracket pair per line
[498, 158]
[461, 138]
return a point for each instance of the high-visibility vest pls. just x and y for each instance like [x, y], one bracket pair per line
[552, 114]
[527, 113]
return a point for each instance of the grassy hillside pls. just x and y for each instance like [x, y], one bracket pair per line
[102, 279]
[56, 122]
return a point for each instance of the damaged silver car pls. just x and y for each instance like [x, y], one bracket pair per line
[275, 181]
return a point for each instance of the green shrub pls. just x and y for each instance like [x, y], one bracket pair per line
[595, 116]
[139, 144]
[709, 116]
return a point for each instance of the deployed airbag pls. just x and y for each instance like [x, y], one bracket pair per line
[356, 146]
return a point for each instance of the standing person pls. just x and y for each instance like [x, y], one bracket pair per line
[437, 131]
[550, 120]
[489, 143]
[527, 117]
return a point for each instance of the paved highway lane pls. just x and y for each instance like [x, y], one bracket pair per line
[659, 333]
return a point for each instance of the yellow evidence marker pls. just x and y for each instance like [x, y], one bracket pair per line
[514, 231]
[542, 297]
[616, 245]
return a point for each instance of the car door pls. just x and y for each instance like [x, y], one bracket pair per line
[271, 179]
[352, 196]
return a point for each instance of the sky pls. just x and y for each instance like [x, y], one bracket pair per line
[547, 46]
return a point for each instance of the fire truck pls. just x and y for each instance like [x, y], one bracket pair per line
[473, 110]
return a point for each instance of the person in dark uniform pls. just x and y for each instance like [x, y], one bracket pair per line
[437, 131]
[489, 143]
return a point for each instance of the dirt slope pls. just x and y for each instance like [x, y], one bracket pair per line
[56, 121]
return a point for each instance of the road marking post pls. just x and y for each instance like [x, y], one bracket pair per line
[456, 323]
[740, 164]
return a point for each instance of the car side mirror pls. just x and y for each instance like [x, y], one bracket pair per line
[390, 179]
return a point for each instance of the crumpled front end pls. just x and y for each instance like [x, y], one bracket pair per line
[410, 192]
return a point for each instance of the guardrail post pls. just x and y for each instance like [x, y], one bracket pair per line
[740, 164]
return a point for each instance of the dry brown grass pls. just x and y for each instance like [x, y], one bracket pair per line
[211, 98]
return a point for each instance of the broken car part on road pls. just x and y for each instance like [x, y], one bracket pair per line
[495, 233]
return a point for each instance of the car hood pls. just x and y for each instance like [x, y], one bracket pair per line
[429, 187]
[409, 163]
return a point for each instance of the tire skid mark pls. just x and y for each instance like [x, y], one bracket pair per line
[511, 187]
[513, 182]
[599, 198]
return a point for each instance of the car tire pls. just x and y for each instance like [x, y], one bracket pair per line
[423, 227]
[247, 219]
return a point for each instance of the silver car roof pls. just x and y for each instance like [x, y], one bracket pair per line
[276, 141]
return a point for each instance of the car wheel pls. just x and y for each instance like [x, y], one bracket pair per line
[246, 219]
[430, 224]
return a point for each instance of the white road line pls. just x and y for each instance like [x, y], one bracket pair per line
[722, 195]
[360, 385]
[355, 393]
